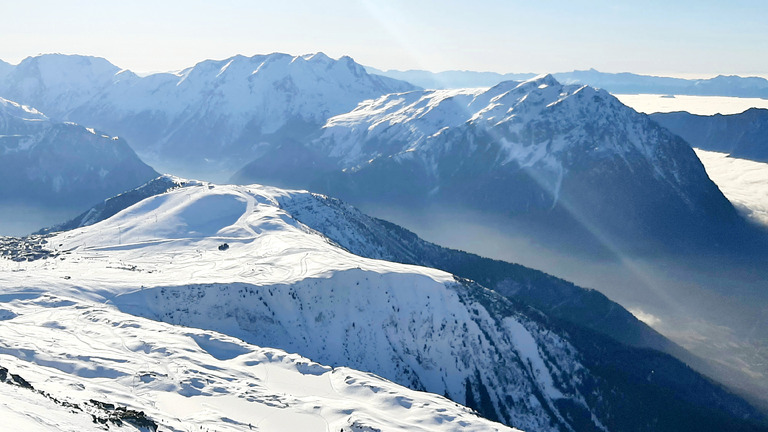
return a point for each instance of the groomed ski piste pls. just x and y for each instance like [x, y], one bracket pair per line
[80, 353]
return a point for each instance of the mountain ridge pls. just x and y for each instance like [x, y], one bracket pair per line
[206, 117]
[566, 149]
[740, 135]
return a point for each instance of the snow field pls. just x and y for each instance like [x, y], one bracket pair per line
[186, 378]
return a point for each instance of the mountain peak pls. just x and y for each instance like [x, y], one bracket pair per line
[57, 83]
[97, 65]
[543, 80]
[317, 57]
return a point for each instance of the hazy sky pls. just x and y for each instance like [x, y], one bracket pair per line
[681, 37]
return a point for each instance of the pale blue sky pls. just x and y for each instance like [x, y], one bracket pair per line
[681, 38]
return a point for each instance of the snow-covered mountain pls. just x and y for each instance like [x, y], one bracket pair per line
[566, 162]
[232, 259]
[111, 206]
[58, 83]
[375, 238]
[743, 135]
[204, 119]
[61, 165]
[565, 179]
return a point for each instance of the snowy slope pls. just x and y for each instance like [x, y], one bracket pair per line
[206, 117]
[112, 205]
[375, 238]
[278, 283]
[87, 355]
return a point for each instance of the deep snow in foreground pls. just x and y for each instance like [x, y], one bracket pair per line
[743, 182]
[188, 379]
[702, 105]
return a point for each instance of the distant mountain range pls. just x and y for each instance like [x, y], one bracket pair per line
[212, 118]
[204, 119]
[743, 135]
[619, 83]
